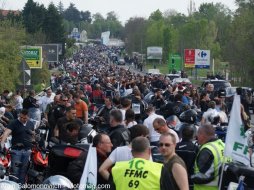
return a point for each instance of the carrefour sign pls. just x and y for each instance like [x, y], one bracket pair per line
[202, 58]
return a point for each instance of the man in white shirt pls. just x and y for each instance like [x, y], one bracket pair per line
[161, 127]
[126, 104]
[210, 112]
[18, 102]
[47, 99]
[148, 122]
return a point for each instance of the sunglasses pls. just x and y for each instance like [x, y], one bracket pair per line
[164, 144]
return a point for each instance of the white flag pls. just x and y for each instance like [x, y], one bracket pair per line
[236, 146]
[89, 177]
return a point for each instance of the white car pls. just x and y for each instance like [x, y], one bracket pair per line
[181, 80]
[173, 76]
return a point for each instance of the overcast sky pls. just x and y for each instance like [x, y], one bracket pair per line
[124, 8]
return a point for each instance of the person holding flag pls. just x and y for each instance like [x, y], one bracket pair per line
[209, 159]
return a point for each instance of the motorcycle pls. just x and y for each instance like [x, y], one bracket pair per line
[39, 159]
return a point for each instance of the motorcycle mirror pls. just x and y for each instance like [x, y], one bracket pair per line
[54, 140]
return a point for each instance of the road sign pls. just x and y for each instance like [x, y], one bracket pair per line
[202, 58]
[25, 76]
[50, 52]
[189, 58]
[23, 65]
[33, 56]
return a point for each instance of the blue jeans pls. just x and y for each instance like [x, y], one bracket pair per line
[21, 157]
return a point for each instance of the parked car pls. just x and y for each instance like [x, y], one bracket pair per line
[173, 76]
[230, 92]
[218, 84]
[181, 81]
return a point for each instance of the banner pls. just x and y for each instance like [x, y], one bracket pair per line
[154, 52]
[189, 58]
[202, 59]
[88, 180]
[105, 37]
[236, 146]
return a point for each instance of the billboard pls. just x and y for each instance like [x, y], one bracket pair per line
[154, 52]
[189, 58]
[105, 37]
[33, 56]
[50, 52]
[202, 58]
[196, 58]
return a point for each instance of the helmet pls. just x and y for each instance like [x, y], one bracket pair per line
[186, 130]
[214, 118]
[86, 134]
[189, 116]
[9, 185]
[59, 181]
[172, 121]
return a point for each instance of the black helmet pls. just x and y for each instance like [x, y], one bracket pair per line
[188, 116]
[186, 130]
[214, 118]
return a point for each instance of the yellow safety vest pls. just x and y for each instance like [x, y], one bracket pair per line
[217, 149]
[137, 174]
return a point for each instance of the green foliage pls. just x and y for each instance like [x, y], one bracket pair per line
[53, 25]
[33, 16]
[240, 45]
[11, 37]
[135, 34]
[60, 8]
[72, 13]
[156, 16]
[38, 75]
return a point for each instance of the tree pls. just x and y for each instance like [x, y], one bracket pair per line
[240, 46]
[114, 25]
[156, 15]
[86, 16]
[60, 8]
[98, 26]
[53, 25]
[12, 35]
[135, 34]
[72, 14]
[111, 16]
[33, 16]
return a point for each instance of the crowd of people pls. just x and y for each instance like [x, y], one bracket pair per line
[132, 113]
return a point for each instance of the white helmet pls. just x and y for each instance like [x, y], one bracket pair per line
[9, 185]
[59, 182]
